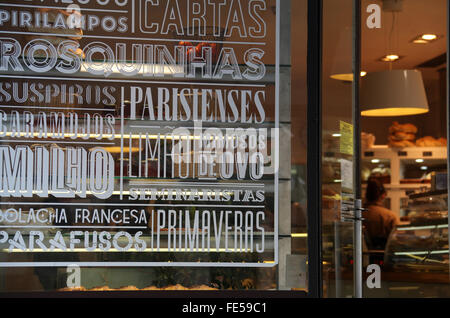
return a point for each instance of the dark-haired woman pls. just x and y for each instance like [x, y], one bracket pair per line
[378, 220]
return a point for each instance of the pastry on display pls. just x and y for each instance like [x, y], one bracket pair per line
[151, 288]
[429, 141]
[328, 171]
[406, 128]
[202, 287]
[247, 283]
[131, 287]
[329, 198]
[367, 140]
[175, 287]
[52, 15]
[128, 288]
[101, 288]
[398, 136]
[408, 241]
[383, 174]
[365, 173]
[427, 218]
[402, 135]
[79, 288]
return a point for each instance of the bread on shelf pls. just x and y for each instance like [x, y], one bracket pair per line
[402, 135]
[399, 136]
[406, 128]
[429, 141]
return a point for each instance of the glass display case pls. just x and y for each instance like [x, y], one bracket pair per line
[421, 245]
[416, 258]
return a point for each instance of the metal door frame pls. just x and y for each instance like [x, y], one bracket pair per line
[314, 156]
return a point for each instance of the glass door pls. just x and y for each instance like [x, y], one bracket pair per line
[341, 262]
[384, 149]
[404, 106]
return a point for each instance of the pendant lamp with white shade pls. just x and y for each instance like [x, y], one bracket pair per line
[393, 93]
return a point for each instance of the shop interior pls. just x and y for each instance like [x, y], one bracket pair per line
[403, 146]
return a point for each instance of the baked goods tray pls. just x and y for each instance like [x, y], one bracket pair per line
[408, 181]
[428, 194]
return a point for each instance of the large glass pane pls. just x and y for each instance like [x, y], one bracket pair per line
[145, 145]
[298, 132]
[405, 148]
[337, 149]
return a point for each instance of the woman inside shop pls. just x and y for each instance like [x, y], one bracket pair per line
[378, 220]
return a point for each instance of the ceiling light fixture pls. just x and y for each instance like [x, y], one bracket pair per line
[390, 58]
[393, 93]
[346, 77]
[429, 37]
[425, 38]
[341, 69]
[394, 7]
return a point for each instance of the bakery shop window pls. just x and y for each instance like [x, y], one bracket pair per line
[142, 151]
[404, 150]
